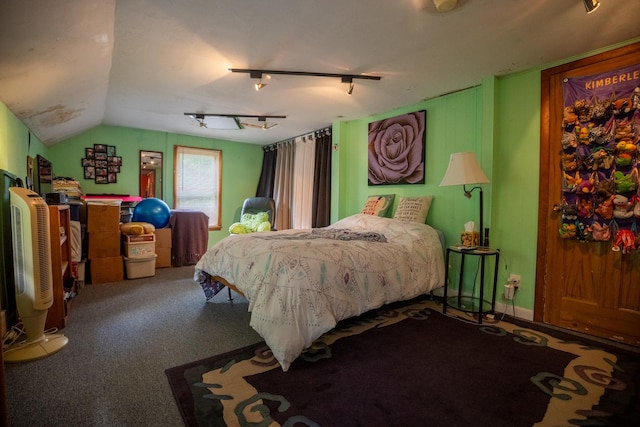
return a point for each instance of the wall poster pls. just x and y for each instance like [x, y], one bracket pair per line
[599, 158]
[396, 149]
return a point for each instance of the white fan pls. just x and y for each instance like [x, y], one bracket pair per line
[33, 275]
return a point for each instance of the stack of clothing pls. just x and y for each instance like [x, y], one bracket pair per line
[68, 186]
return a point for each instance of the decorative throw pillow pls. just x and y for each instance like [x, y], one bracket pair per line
[250, 223]
[378, 205]
[413, 209]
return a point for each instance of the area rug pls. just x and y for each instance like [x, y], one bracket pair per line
[410, 365]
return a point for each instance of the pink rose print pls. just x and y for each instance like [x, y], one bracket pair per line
[396, 150]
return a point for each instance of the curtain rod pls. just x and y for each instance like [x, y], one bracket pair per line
[326, 130]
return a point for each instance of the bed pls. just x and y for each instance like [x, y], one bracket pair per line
[300, 283]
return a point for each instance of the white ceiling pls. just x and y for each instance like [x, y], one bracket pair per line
[69, 65]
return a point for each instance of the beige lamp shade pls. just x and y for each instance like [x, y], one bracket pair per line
[463, 169]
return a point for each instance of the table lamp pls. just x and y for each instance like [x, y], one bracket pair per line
[464, 170]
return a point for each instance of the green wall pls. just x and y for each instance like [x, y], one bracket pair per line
[240, 165]
[499, 120]
[16, 144]
[453, 124]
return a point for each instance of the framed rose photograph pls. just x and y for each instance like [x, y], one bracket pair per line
[396, 149]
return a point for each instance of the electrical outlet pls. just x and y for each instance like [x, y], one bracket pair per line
[514, 279]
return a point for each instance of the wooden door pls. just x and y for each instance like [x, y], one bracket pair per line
[583, 286]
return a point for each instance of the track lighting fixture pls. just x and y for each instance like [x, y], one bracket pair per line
[263, 126]
[349, 80]
[256, 74]
[591, 5]
[200, 119]
[345, 78]
[231, 121]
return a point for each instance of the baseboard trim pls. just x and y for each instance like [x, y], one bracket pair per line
[514, 311]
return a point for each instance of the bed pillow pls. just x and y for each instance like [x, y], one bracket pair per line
[413, 209]
[378, 205]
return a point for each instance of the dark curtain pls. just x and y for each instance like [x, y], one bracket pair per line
[267, 176]
[321, 213]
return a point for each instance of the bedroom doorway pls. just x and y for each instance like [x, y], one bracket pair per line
[582, 286]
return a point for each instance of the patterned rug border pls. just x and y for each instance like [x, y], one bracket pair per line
[573, 397]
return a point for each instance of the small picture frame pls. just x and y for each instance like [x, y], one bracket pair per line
[111, 150]
[88, 153]
[101, 179]
[88, 162]
[99, 148]
[112, 177]
[89, 172]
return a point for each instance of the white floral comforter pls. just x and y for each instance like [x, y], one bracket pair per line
[300, 283]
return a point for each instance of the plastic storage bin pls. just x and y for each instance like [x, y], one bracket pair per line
[140, 267]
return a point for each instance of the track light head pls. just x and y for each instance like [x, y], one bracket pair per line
[200, 119]
[591, 5]
[345, 78]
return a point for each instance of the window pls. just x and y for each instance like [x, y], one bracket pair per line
[197, 178]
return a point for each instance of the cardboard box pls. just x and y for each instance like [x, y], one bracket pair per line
[164, 257]
[140, 267]
[163, 237]
[139, 250]
[139, 245]
[106, 270]
[138, 238]
[103, 218]
[103, 244]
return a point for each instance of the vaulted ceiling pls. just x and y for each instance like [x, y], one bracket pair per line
[69, 65]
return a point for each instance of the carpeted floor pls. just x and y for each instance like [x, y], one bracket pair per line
[122, 336]
[407, 365]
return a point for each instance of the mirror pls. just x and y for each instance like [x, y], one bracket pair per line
[150, 174]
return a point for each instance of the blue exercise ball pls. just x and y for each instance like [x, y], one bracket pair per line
[152, 210]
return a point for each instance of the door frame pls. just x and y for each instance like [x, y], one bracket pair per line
[549, 105]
